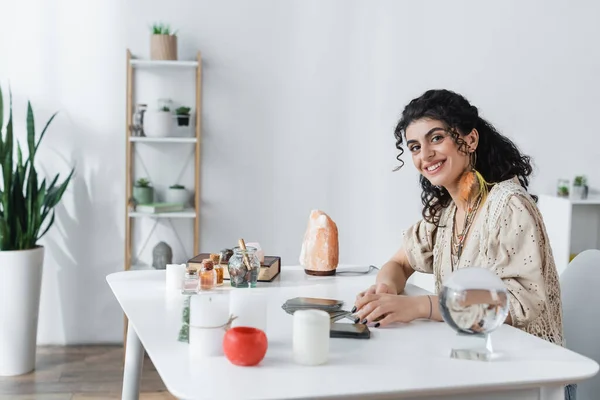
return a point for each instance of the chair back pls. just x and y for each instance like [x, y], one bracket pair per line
[580, 292]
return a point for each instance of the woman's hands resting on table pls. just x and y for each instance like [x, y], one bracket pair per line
[381, 302]
[382, 305]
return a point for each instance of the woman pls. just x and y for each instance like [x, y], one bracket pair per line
[477, 212]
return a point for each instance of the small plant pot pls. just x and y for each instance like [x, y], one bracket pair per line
[183, 120]
[177, 195]
[143, 195]
[579, 192]
[163, 47]
[158, 123]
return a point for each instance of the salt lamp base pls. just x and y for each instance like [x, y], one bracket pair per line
[319, 273]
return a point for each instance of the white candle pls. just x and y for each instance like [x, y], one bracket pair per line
[249, 306]
[175, 275]
[311, 337]
[208, 315]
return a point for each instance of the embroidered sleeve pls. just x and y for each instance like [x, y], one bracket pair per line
[418, 244]
[516, 252]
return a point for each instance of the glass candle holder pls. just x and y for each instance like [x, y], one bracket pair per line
[243, 267]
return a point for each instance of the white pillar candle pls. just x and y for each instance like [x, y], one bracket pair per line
[311, 337]
[209, 314]
[175, 275]
[249, 306]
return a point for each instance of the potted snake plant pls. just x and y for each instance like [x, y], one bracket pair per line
[27, 205]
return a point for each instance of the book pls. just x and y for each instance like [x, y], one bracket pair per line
[270, 268]
[153, 208]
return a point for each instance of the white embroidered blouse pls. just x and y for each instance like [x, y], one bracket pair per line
[508, 237]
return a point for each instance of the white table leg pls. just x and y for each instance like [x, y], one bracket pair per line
[134, 360]
[552, 393]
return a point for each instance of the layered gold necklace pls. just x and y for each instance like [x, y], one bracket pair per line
[458, 239]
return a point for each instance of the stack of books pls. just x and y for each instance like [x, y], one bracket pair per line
[154, 208]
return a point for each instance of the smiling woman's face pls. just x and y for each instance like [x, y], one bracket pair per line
[434, 152]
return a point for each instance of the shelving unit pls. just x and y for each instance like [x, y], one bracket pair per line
[131, 141]
[573, 225]
[158, 67]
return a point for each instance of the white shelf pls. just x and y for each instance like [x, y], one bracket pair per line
[188, 213]
[588, 201]
[144, 139]
[591, 200]
[163, 63]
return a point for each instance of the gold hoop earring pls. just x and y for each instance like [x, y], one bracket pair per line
[473, 160]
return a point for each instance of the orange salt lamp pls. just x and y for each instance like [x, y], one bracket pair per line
[320, 248]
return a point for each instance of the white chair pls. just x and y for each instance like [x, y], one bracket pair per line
[580, 287]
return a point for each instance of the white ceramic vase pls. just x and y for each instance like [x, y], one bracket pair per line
[20, 286]
[577, 192]
[158, 123]
[181, 196]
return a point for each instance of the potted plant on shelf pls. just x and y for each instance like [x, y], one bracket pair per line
[562, 188]
[580, 188]
[26, 214]
[177, 194]
[183, 116]
[158, 123]
[163, 43]
[143, 192]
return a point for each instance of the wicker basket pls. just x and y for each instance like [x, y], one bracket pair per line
[163, 47]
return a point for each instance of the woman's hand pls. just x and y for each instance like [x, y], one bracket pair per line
[385, 308]
[379, 288]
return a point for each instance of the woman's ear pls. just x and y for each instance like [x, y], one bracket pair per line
[472, 140]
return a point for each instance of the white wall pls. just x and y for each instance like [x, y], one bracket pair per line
[300, 101]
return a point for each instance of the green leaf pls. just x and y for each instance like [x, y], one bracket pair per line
[7, 160]
[44, 130]
[30, 132]
[48, 226]
[55, 193]
[33, 213]
[4, 235]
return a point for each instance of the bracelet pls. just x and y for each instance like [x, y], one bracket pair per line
[430, 307]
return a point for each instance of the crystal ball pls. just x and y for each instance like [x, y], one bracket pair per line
[474, 301]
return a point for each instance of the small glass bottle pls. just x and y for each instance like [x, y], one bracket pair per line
[216, 259]
[208, 277]
[190, 282]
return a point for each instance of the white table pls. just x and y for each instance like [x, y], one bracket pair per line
[404, 361]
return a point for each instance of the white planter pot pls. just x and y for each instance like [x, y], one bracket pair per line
[577, 192]
[20, 286]
[158, 123]
[177, 196]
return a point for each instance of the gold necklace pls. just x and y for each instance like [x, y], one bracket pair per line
[457, 244]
